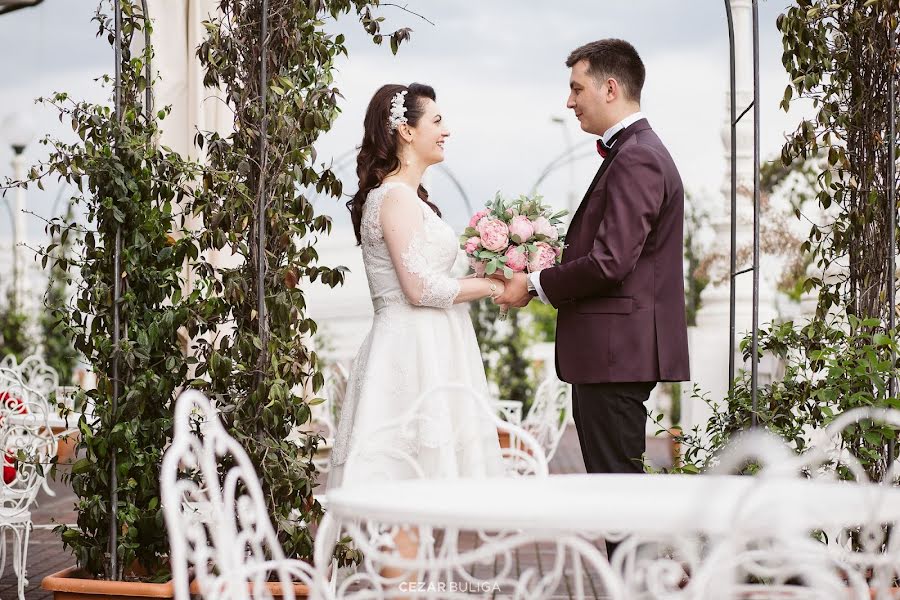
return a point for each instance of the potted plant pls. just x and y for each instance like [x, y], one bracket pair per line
[276, 73]
[125, 318]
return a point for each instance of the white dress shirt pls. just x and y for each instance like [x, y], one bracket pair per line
[606, 137]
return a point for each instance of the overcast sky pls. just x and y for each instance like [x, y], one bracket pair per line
[497, 66]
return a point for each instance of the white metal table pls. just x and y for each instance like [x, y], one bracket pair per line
[689, 515]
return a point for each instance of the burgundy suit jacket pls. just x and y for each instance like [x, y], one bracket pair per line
[620, 286]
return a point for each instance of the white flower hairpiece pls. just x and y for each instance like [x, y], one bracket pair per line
[398, 111]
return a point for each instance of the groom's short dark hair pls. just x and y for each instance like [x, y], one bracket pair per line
[613, 58]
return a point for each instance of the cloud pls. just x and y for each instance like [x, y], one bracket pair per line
[498, 70]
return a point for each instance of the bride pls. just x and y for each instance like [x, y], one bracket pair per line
[422, 336]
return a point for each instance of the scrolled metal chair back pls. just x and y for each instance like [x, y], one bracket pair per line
[546, 420]
[27, 443]
[220, 525]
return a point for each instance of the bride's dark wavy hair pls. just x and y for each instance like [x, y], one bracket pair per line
[378, 154]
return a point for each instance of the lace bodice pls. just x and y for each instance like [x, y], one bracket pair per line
[409, 253]
[417, 273]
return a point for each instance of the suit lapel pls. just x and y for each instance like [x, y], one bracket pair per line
[629, 131]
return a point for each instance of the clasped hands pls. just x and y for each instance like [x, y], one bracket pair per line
[515, 290]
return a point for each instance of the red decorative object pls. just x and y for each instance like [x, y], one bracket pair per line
[9, 459]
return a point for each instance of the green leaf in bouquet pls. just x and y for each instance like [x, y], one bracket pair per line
[507, 272]
[470, 232]
[490, 268]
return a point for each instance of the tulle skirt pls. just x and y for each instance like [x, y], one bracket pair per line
[416, 404]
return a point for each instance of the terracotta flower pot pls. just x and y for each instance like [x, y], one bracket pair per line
[675, 432]
[66, 446]
[503, 438]
[72, 584]
[300, 590]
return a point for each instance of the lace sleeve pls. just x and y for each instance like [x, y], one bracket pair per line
[404, 228]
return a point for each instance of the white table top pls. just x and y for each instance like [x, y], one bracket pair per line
[628, 503]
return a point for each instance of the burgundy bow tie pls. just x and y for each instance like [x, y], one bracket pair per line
[604, 149]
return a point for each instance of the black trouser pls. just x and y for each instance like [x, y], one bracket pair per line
[611, 420]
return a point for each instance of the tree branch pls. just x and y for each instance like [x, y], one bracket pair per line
[426, 19]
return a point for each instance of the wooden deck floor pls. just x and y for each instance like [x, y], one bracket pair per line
[46, 554]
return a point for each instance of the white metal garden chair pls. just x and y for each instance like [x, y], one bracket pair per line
[396, 450]
[27, 446]
[221, 528]
[35, 373]
[867, 554]
[855, 554]
[546, 420]
[396, 440]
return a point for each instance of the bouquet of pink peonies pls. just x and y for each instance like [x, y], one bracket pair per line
[521, 235]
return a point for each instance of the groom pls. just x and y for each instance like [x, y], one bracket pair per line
[619, 290]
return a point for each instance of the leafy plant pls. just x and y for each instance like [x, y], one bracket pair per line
[13, 324]
[696, 280]
[838, 56]
[58, 349]
[131, 190]
[255, 359]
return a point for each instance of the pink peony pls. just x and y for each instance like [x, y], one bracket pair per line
[473, 244]
[473, 222]
[542, 226]
[477, 266]
[543, 257]
[521, 229]
[494, 234]
[516, 258]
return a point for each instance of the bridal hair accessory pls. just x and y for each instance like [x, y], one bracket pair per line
[398, 111]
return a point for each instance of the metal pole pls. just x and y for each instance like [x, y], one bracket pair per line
[754, 365]
[557, 163]
[117, 295]
[570, 146]
[892, 212]
[18, 227]
[148, 72]
[731, 282]
[261, 202]
[459, 188]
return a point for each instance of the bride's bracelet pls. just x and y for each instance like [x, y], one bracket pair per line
[493, 289]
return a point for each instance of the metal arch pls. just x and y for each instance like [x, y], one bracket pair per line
[892, 204]
[117, 262]
[117, 296]
[733, 252]
[754, 345]
[261, 204]
[735, 119]
[458, 185]
[560, 161]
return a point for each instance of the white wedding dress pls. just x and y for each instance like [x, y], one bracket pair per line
[396, 421]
